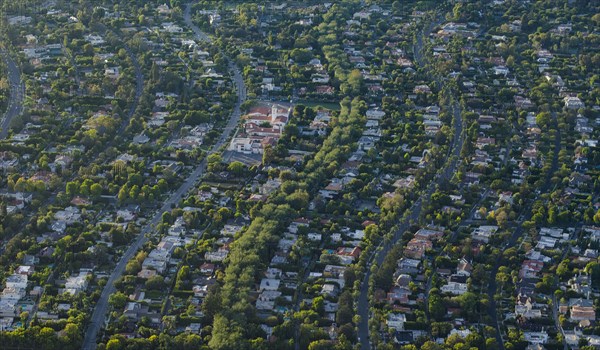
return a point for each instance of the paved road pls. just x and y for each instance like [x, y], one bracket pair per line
[101, 308]
[555, 301]
[17, 94]
[415, 210]
[525, 215]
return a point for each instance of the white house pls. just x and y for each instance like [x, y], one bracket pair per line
[455, 288]
[396, 321]
[536, 337]
[269, 284]
[315, 237]
[573, 102]
[77, 284]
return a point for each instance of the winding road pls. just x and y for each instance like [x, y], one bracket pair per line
[17, 94]
[101, 309]
[444, 174]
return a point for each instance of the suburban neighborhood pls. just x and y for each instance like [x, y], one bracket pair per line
[299, 175]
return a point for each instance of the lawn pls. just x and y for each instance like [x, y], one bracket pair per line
[327, 105]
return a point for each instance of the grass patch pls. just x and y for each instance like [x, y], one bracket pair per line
[327, 105]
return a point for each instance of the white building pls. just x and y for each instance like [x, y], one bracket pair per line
[536, 337]
[396, 321]
[77, 284]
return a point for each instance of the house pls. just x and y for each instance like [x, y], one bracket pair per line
[163, 9]
[428, 234]
[572, 337]
[95, 40]
[218, 255]
[398, 294]
[506, 197]
[141, 139]
[334, 271]
[408, 265]
[593, 232]
[416, 248]
[353, 252]
[365, 143]
[269, 284]
[200, 291]
[536, 337]
[580, 284]
[77, 284]
[530, 268]
[463, 333]
[457, 285]
[403, 337]
[194, 328]
[403, 280]
[24, 270]
[573, 102]
[112, 72]
[483, 233]
[324, 90]
[375, 114]
[523, 103]
[315, 237]
[464, 267]
[581, 309]
[207, 269]
[396, 321]
[422, 89]
[579, 180]
[330, 289]
[405, 183]
[230, 229]
[485, 141]
[296, 224]
[524, 307]
[147, 273]
[202, 286]
[69, 215]
[172, 28]
[18, 281]
[135, 311]
[501, 70]
[266, 300]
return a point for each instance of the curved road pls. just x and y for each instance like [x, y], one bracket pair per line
[415, 210]
[100, 311]
[17, 94]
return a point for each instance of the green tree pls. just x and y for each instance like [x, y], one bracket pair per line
[133, 267]
[212, 302]
[118, 300]
[318, 305]
[115, 344]
[236, 168]
[226, 334]
[96, 190]
[72, 188]
[437, 308]
[155, 283]
[354, 83]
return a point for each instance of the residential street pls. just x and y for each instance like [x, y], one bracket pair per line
[17, 95]
[525, 215]
[101, 308]
[415, 211]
